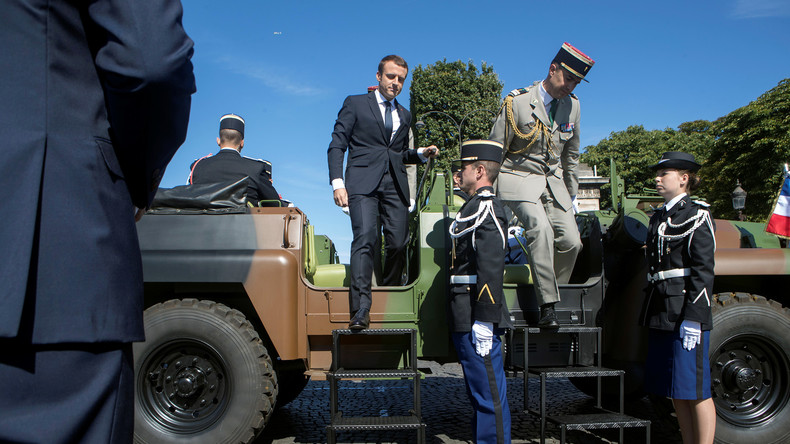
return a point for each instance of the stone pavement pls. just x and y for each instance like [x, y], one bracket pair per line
[446, 411]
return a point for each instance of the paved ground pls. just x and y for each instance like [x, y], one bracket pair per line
[445, 411]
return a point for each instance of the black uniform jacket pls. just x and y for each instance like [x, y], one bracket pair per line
[670, 301]
[229, 165]
[483, 301]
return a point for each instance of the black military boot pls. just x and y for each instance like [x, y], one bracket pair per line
[548, 319]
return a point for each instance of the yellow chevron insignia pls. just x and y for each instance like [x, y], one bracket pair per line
[490, 296]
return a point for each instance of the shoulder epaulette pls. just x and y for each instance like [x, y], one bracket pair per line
[701, 203]
[194, 162]
[485, 194]
[518, 92]
[252, 158]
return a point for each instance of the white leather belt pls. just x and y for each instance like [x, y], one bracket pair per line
[463, 279]
[668, 274]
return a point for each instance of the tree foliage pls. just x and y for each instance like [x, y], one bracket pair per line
[752, 143]
[636, 149]
[470, 97]
[749, 144]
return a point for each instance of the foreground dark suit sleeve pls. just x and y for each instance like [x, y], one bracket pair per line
[95, 100]
[142, 55]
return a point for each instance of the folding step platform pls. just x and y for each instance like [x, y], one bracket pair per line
[374, 354]
[599, 418]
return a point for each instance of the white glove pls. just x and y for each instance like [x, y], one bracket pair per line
[515, 231]
[575, 203]
[691, 334]
[483, 337]
[345, 210]
[412, 205]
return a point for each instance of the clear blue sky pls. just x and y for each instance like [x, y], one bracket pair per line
[286, 66]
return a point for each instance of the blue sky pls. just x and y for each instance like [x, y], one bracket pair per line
[286, 67]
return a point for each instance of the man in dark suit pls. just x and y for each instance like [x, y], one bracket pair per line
[228, 165]
[95, 101]
[374, 128]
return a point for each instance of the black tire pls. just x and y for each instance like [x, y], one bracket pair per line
[749, 347]
[201, 376]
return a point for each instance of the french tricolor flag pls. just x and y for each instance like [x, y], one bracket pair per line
[779, 223]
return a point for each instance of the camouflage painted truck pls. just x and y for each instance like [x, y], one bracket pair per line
[241, 304]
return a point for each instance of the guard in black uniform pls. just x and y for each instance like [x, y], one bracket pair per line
[228, 165]
[477, 310]
[677, 309]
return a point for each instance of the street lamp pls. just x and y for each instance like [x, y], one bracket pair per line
[739, 200]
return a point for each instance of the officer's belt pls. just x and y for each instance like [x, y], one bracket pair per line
[668, 274]
[463, 279]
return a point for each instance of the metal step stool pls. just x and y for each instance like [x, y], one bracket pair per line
[600, 418]
[374, 354]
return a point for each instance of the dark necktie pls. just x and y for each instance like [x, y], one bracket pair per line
[553, 111]
[388, 120]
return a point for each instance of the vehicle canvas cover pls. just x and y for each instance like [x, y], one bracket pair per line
[215, 198]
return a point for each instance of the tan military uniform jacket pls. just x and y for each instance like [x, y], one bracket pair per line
[528, 169]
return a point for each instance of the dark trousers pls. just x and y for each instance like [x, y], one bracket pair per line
[486, 387]
[384, 205]
[66, 393]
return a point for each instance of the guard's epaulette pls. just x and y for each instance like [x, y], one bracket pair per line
[192, 165]
[701, 203]
[485, 194]
[518, 92]
[252, 158]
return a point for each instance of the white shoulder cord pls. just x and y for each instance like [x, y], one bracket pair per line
[698, 219]
[710, 227]
[485, 208]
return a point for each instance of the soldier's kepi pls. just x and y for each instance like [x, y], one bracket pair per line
[232, 121]
[539, 129]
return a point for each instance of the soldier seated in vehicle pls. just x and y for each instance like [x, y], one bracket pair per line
[229, 165]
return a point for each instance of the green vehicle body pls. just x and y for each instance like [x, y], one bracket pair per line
[267, 274]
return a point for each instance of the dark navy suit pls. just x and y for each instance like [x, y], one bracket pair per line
[377, 186]
[94, 102]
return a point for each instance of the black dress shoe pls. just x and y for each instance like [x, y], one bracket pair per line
[361, 320]
[548, 318]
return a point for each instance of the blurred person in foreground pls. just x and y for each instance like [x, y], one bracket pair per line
[95, 101]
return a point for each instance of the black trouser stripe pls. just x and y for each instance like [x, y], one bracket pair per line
[700, 374]
[500, 427]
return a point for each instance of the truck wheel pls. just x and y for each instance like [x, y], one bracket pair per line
[749, 347]
[201, 376]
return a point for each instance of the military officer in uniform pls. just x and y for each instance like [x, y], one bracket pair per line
[229, 165]
[539, 128]
[677, 309]
[477, 310]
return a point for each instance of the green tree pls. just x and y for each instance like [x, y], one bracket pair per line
[636, 149]
[463, 92]
[752, 143]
